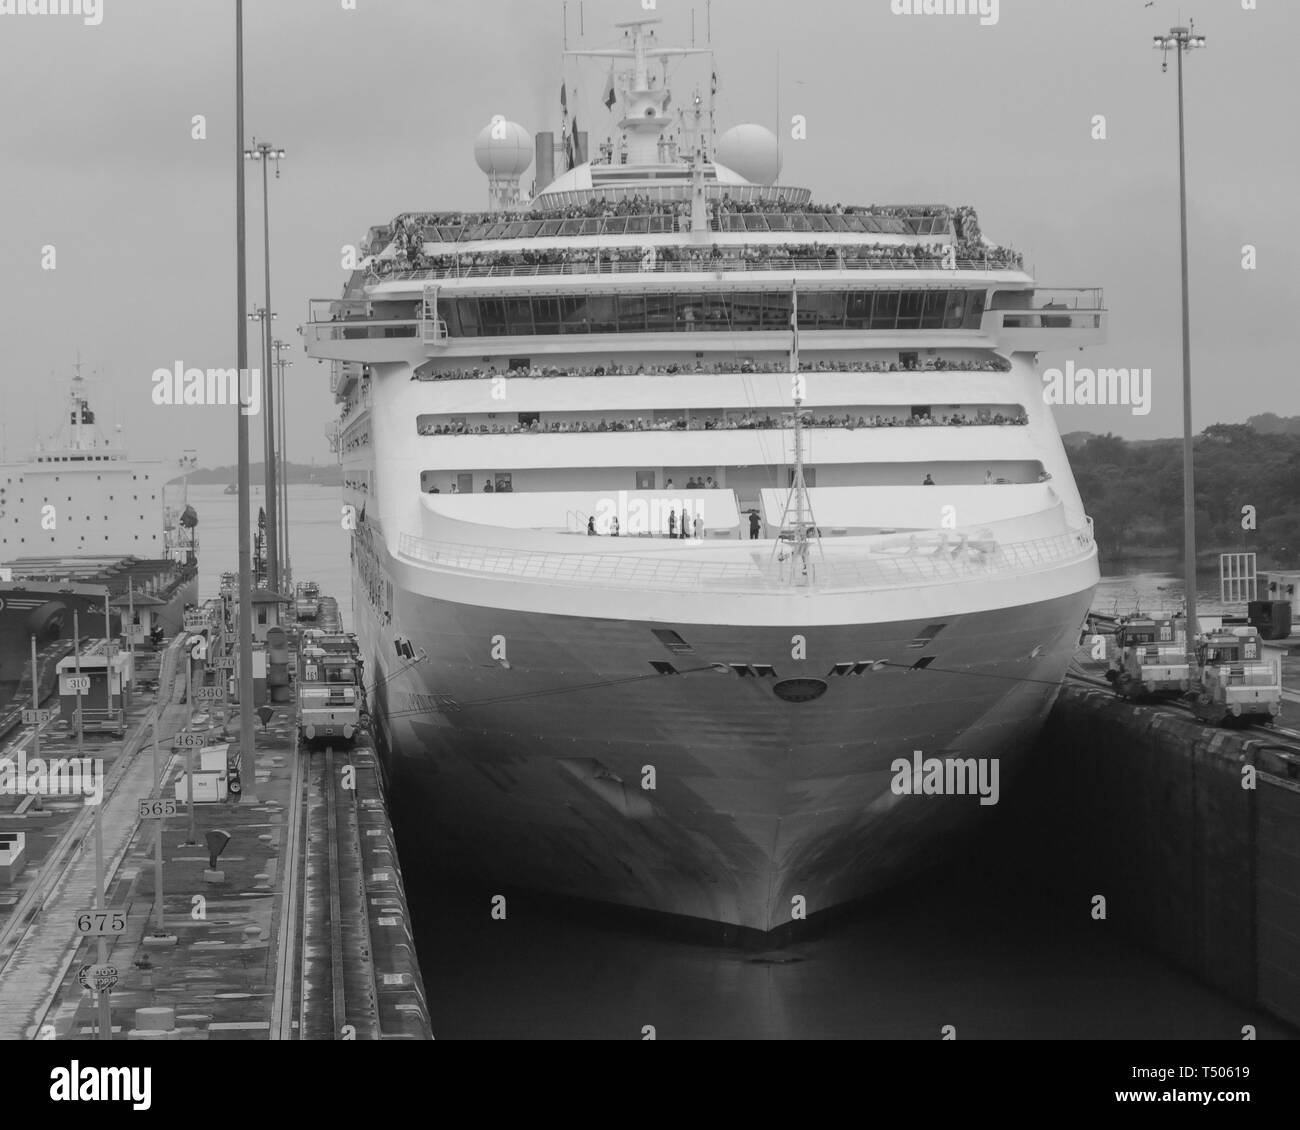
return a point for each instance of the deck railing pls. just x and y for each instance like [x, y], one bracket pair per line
[937, 560]
[686, 266]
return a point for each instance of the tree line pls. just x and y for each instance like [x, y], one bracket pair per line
[1247, 486]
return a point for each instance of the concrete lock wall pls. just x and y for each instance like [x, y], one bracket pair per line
[1192, 864]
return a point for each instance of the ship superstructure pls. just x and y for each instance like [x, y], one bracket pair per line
[684, 506]
[80, 520]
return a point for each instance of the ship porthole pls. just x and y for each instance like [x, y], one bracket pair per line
[799, 690]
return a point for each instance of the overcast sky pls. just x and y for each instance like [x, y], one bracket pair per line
[378, 109]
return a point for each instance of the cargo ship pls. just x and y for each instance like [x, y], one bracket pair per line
[81, 522]
[685, 506]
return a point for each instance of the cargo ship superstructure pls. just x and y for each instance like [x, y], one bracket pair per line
[885, 548]
[81, 520]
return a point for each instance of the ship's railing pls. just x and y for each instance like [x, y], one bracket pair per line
[693, 267]
[358, 329]
[433, 229]
[936, 561]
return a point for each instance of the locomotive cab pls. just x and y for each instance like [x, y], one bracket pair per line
[1236, 683]
[1149, 662]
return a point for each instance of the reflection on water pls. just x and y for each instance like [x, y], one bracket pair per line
[1147, 588]
[997, 942]
[987, 949]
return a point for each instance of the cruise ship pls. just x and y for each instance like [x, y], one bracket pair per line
[81, 521]
[576, 690]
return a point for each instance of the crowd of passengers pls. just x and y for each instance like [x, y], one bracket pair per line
[937, 364]
[749, 422]
[412, 229]
[410, 257]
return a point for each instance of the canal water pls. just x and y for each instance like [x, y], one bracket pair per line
[994, 943]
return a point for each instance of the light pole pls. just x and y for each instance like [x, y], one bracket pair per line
[263, 315]
[266, 153]
[281, 364]
[247, 758]
[1181, 40]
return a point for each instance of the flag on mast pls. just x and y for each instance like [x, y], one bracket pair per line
[610, 96]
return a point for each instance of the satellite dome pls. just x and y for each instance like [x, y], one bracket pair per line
[507, 154]
[751, 150]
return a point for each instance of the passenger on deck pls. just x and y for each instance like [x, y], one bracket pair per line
[753, 525]
[591, 526]
[613, 527]
[699, 527]
[929, 482]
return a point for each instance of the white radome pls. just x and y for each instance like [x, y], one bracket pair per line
[507, 154]
[752, 151]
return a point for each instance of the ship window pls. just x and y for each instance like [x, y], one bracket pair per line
[519, 316]
[546, 312]
[974, 309]
[776, 311]
[600, 308]
[859, 310]
[631, 313]
[574, 317]
[885, 311]
[746, 311]
[935, 302]
[922, 663]
[955, 311]
[449, 312]
[467, 308]
[658, 312]
[690, 311]
[910, 304]
[663, 667]
[809, 476]
[493, 313]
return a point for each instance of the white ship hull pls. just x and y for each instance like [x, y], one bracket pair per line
[531, 775]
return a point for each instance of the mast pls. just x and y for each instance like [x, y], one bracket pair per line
[797, 500]
[645, 114]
